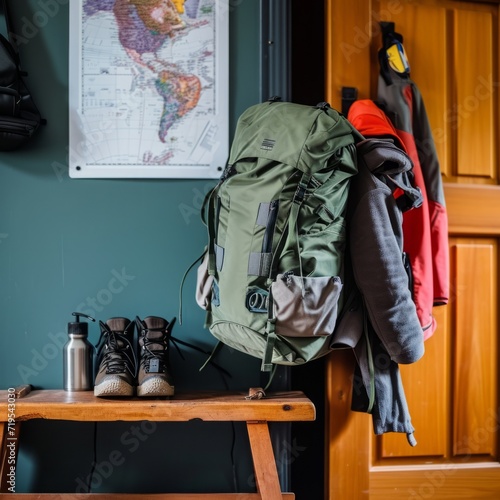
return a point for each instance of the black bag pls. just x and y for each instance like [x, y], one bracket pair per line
[19, 116]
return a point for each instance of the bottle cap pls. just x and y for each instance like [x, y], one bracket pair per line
[79, 327]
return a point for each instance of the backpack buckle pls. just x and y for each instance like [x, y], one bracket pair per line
[300, 193]
[229, 171]
[324, 106]
[257, 300]
[274, 98]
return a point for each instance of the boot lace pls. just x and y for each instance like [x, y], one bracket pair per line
[155, 348]
[119, 354]
[159, 353]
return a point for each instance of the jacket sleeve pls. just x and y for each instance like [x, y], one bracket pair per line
[435, 194]
[376, 253]
[390, 411]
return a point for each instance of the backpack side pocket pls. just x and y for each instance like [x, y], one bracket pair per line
[305, 306]
[204, 284]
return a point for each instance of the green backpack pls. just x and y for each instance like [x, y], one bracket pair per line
[272, 276]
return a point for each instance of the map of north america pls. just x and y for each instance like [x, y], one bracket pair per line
[148, 81]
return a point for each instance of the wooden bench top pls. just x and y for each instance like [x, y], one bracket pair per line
[207, 406]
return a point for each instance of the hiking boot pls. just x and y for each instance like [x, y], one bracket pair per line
[116, 359]
[154, 377]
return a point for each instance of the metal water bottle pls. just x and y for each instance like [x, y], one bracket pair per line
[78, 357]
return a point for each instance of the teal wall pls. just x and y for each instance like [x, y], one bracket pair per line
[113, 248]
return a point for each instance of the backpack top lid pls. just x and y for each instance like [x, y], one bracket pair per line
[298, 135]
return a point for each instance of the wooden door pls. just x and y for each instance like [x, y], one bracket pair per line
[452, 392]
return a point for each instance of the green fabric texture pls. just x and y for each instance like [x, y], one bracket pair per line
[278, 209]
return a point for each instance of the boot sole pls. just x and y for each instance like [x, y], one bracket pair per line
[155, 387]
[113, 386]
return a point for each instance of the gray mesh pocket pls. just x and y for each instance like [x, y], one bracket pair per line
[305, 306]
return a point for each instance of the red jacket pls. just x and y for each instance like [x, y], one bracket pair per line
[425, 229]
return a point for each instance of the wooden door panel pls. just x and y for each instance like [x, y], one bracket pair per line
[475, 347]
[455, 481]
[472, 114]
[473, 209]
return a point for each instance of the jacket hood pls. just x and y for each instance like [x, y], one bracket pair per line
[368, 119]
[388, 162]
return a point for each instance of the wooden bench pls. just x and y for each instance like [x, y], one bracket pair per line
[221, 406]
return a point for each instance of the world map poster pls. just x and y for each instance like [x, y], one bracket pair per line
[148, 88]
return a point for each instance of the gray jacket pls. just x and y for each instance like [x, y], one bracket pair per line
[380, 322]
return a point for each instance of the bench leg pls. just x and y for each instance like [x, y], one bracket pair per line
[266, 472]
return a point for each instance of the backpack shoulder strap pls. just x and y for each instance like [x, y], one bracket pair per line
[289, 237]
[211, 205]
